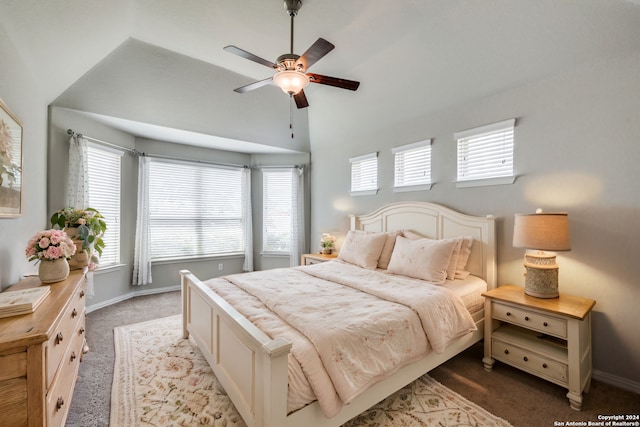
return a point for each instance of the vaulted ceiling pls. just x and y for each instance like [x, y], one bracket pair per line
[412, 57]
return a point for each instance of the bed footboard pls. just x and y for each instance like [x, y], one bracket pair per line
[251, 367]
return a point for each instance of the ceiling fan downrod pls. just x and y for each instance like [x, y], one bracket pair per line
[292, 7]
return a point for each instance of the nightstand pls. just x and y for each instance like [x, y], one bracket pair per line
[549, 338]
[308, 259]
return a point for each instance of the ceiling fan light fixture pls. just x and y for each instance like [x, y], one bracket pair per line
[290, 81]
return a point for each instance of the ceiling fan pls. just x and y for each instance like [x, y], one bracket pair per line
[292, 76]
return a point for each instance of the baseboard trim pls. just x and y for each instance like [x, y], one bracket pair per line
[616, 381]
[94, 307]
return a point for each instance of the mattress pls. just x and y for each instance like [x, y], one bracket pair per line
[470, 290]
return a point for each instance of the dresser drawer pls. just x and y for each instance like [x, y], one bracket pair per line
[71, 325]
[530, 361]
[530, 320]
[61, 391]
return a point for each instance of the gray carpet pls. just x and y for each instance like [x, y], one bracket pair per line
[90, 406]
[522, 399]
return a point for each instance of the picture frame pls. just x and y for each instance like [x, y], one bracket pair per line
[10, 163]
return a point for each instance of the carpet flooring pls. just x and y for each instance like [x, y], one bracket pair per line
[520, 398]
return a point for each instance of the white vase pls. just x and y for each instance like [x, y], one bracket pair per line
[51, 271]
[327, 251]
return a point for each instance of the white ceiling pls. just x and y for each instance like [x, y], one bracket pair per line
[411, 56]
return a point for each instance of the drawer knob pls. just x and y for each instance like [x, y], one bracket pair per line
[74, 313]
[508, 313]
[544, 365]
[526, 318]
[506, 352]
[545, 324]
[81, 294]
[73, 356]
[81, 330]
[526, 359]
[59, 403]
[59, 338]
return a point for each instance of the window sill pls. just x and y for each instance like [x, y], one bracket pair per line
[108, 269]
[503, 180]
[364, 193]
[407, 188]
[196, 258]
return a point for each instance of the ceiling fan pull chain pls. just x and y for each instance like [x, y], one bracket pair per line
[291, 115]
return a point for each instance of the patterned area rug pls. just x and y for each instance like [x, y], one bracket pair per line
[161, 379]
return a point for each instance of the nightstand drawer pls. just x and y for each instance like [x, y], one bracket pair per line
[530, 361]
[530, 319]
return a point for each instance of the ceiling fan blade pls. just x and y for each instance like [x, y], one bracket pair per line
[301, 99]
[317, 50]
[249, 56]
[254, 85]
[333, 81]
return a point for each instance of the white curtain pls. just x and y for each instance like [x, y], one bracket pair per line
[78, 178]
[247, 220]
[78, 186]
[297, 216]
[142, 254]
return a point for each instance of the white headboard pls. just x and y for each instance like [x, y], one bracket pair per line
[437, 222]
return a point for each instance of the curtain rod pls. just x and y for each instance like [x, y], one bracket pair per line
[140, 153]
[99, 141]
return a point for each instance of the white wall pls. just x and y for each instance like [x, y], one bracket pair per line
[577, 148]
[19, 92]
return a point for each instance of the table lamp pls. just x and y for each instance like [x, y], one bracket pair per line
[541, 231]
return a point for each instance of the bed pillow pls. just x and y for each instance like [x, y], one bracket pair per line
[387, 249]
[425, 259]
[362, 249]
[455, 256]
[463, 257]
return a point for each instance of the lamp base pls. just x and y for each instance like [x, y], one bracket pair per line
[541, 279]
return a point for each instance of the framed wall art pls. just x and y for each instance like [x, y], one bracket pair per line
[10, 164]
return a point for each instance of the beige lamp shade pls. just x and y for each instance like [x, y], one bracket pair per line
[543, 231]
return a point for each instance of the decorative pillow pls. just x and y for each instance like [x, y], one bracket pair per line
[387, 249]
[463, 258]
[453, 263]
[425, 259]
[362, 249]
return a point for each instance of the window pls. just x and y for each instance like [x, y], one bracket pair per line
[104, 195]
[364, 175]
[277, 212]
[485, 154]
[412, 166]
[195, 210]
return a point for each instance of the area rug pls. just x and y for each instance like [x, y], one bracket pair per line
[161, 379]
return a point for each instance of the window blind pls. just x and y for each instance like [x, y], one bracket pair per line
[195, 210]
[276, 210]
[364, 174]
[412, 165]
[486, 152]
[104, 195]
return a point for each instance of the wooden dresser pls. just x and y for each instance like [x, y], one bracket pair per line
[40, 355]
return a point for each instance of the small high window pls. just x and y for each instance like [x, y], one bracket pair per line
[412, 166]
[364, 175]
[485, 155]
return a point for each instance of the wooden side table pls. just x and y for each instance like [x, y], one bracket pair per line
[549, 338]
[308, 259]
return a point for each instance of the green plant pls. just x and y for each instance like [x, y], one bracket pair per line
[89, 222]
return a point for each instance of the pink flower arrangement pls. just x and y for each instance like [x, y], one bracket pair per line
[50, 245]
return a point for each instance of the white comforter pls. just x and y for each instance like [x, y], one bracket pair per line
[349, 327]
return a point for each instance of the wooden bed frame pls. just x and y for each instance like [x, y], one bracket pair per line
[252, 368]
